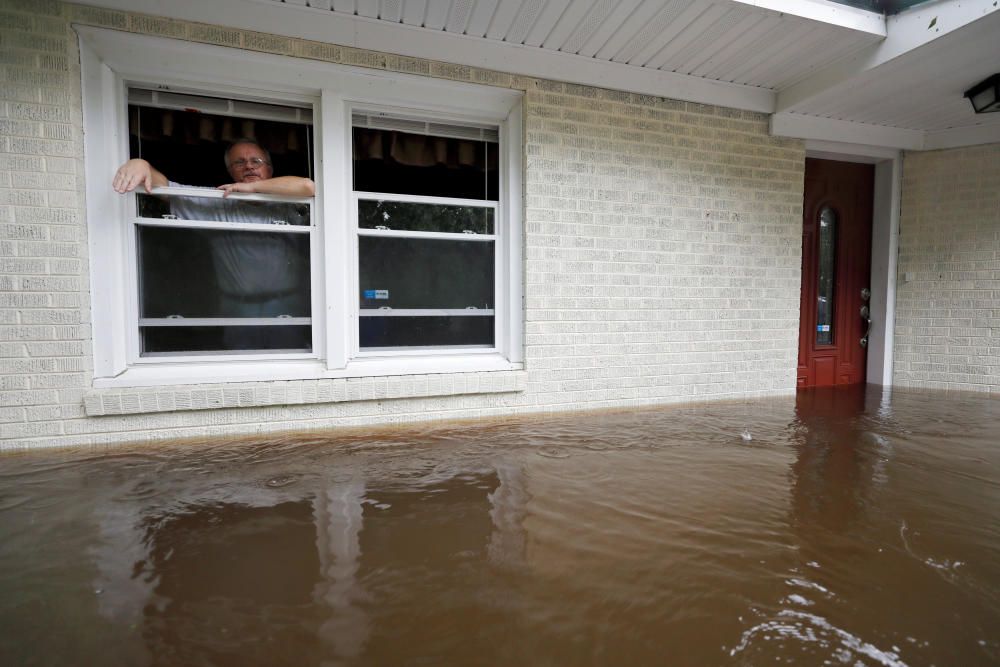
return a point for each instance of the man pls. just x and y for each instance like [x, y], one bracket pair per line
[258, 274]
[248, 164]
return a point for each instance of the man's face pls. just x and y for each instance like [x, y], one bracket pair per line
[241, 167]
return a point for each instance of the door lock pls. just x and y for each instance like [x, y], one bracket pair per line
[866, 313]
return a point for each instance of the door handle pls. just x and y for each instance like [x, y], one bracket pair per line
[866, 316]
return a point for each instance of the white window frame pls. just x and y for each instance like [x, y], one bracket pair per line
[358, 196]
[136, 321]
[111, 60]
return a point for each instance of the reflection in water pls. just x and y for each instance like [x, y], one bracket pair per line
[338, 514]
[851, 527]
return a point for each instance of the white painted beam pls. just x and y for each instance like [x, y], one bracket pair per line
[835, 150]
[885, 255]
[800, 126]
[963, 136]
[904, 33]
[360, 32]
[823, 11]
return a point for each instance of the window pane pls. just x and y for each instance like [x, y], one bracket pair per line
[825, 281]
[217, 273]
[424, 217]
[218, 209]
[418, 164]
[225, 339]
[426, 331]
[418, 273]
[188, 145]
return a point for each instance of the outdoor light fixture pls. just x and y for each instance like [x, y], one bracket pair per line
[985, 95]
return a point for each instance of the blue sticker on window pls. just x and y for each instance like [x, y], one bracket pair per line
[376, 294]
[823, 327]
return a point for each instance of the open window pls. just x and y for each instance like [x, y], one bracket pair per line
[408, 260]
[219, 275]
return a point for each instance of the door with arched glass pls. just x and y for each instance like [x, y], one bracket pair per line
[836, 267]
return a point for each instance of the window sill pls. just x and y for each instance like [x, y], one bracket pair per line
[176, 398]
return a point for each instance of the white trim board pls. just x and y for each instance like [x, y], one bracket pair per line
[879, 137]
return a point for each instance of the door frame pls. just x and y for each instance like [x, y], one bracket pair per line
[884, 247]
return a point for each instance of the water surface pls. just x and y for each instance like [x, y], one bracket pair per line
[837, 527]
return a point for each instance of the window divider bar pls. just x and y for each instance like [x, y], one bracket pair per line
[215, 193]
[228, 226]
[426, 312]
[424, 199]
[224, 321]
[430, 236]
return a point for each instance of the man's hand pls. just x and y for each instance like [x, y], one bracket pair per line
[137, 172]
[293, 186]
[230, 188]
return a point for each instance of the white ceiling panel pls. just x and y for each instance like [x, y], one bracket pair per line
[571, 17]
[697, 33]
[345, 6]
[414, 12]
[809, 58]
[479, 20]
[546, 21]
[589, 26]
[459, 15]
[729, 25]
[503, 19]
[368, 8]
[669, 27]
[437, 14]
[733, 46]
[527, 17]
[391, 10]
[611, 25]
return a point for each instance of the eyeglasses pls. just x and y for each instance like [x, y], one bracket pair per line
[253, 162]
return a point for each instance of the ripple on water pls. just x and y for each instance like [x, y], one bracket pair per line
[553, 452]
[281, 481]
[806, 634]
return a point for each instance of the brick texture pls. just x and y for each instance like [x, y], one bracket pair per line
[948, 295]
[662, 251]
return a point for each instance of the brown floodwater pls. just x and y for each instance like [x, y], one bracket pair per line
[838, 527]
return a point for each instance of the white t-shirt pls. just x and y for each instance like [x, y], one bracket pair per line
[251, 264]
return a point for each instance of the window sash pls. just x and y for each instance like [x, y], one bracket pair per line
[499, 275]
[136, 323]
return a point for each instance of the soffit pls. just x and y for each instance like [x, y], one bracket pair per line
[817, 60]
[719, 40]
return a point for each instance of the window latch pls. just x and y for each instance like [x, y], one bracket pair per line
[279, 222]
[382, 227]
[468, 231]
[385, 307]
[175, 317]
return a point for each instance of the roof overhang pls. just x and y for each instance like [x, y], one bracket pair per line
[827, 71]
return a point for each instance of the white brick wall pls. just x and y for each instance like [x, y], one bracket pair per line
[948, 312]
[662, 256]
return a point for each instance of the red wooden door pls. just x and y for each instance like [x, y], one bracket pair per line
[836, 267]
